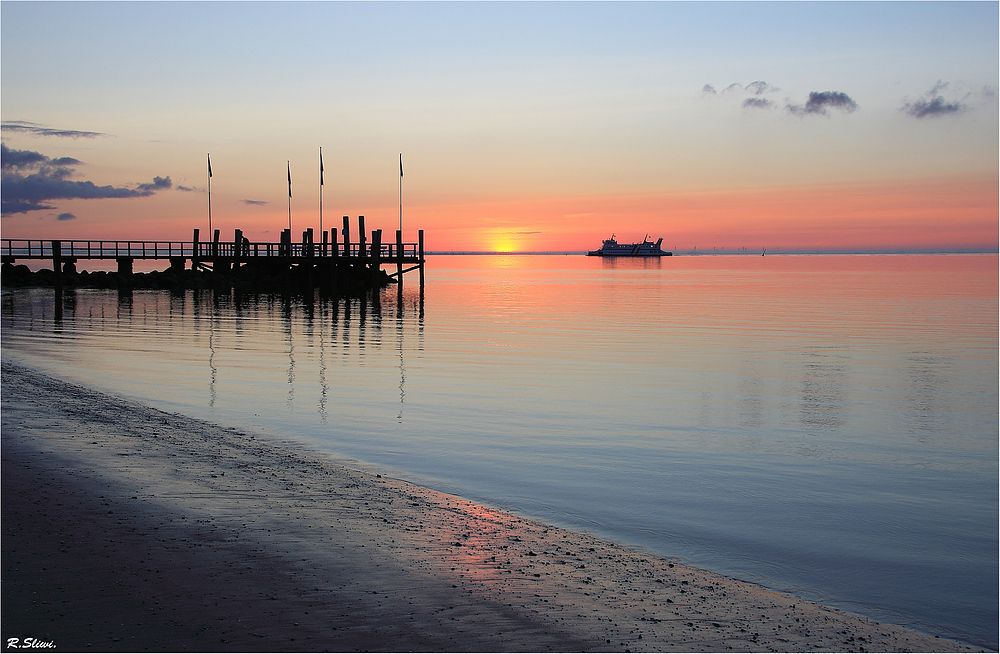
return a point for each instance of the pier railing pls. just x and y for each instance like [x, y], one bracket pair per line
[14, 249]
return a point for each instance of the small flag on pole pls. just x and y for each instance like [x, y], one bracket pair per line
[321, 166]
[400, 164]
[289, 179]
[209, 165]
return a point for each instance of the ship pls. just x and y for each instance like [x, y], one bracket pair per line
[612, 248]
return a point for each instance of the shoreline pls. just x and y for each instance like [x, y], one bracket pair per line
[128, 528]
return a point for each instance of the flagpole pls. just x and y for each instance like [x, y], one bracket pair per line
[210, 195]
[321, 192]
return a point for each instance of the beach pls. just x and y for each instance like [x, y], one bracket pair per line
[127, 528]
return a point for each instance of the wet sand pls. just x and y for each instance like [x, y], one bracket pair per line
[127, 528]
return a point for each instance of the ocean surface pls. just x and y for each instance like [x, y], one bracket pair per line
[824, 425]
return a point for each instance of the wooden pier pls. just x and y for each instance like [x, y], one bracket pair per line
[329, 253]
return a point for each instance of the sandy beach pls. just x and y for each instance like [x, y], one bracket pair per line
[126, 528]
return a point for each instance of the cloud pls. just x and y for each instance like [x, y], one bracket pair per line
[66, 216]
[158, 184]
[820, 102]
[30, 180]
[936, 106]
[41, 130]
[757, 103]
[760, 88]
[933, 104]
[190, 189]
[757, 88]
[255, 202]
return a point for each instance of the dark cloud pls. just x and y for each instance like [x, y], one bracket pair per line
[936, 106]
[708, 89]
[158, 184]
[41, 130]
[66, 216]
[757, 103]
[820, 102]
[30, 180]
[255, 202]
[190, 189]
[933, 104]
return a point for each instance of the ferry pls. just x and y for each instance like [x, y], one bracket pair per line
[612, 248]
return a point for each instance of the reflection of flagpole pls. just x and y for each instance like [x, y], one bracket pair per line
[401, 191]
[289, 197]
[210, 195]
[321, 192]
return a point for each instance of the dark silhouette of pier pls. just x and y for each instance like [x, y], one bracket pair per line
[325, 259]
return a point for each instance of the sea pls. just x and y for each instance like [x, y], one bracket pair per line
[824, 425]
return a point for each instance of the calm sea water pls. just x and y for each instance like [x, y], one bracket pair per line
[824, 425]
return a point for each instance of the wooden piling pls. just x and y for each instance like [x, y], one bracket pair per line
[194, 250]
[399, 257]
[57, 267]
[347, 236]
[237, 247]
[376, 250]
[361, 236]
[420, 256]
[334, 247]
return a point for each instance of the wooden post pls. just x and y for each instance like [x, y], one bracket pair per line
[376, 250]
[322, 252]
[361, 236]
[194, 250]
[237, 247]
[57, 268]
[215, 244]
[399, 257]
[420, 255]
[347, 236]
[334, 247]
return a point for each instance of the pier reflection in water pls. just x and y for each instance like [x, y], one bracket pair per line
[225, 352]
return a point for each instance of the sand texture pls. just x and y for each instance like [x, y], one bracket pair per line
[127, 528]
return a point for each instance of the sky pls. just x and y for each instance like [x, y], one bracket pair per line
[522, 126]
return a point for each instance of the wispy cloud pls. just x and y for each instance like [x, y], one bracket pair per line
[759, 87]
[255, 202]
[42, 130]
[66, 216]
[820, 102]
[30, 180]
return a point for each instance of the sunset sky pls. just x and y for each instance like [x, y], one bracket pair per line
[524, 126]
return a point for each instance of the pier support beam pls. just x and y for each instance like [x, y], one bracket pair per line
[124, 265]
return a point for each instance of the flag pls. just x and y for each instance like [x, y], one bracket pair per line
[209, 165]
[321, 166]
[400, 164]
[289, 179]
